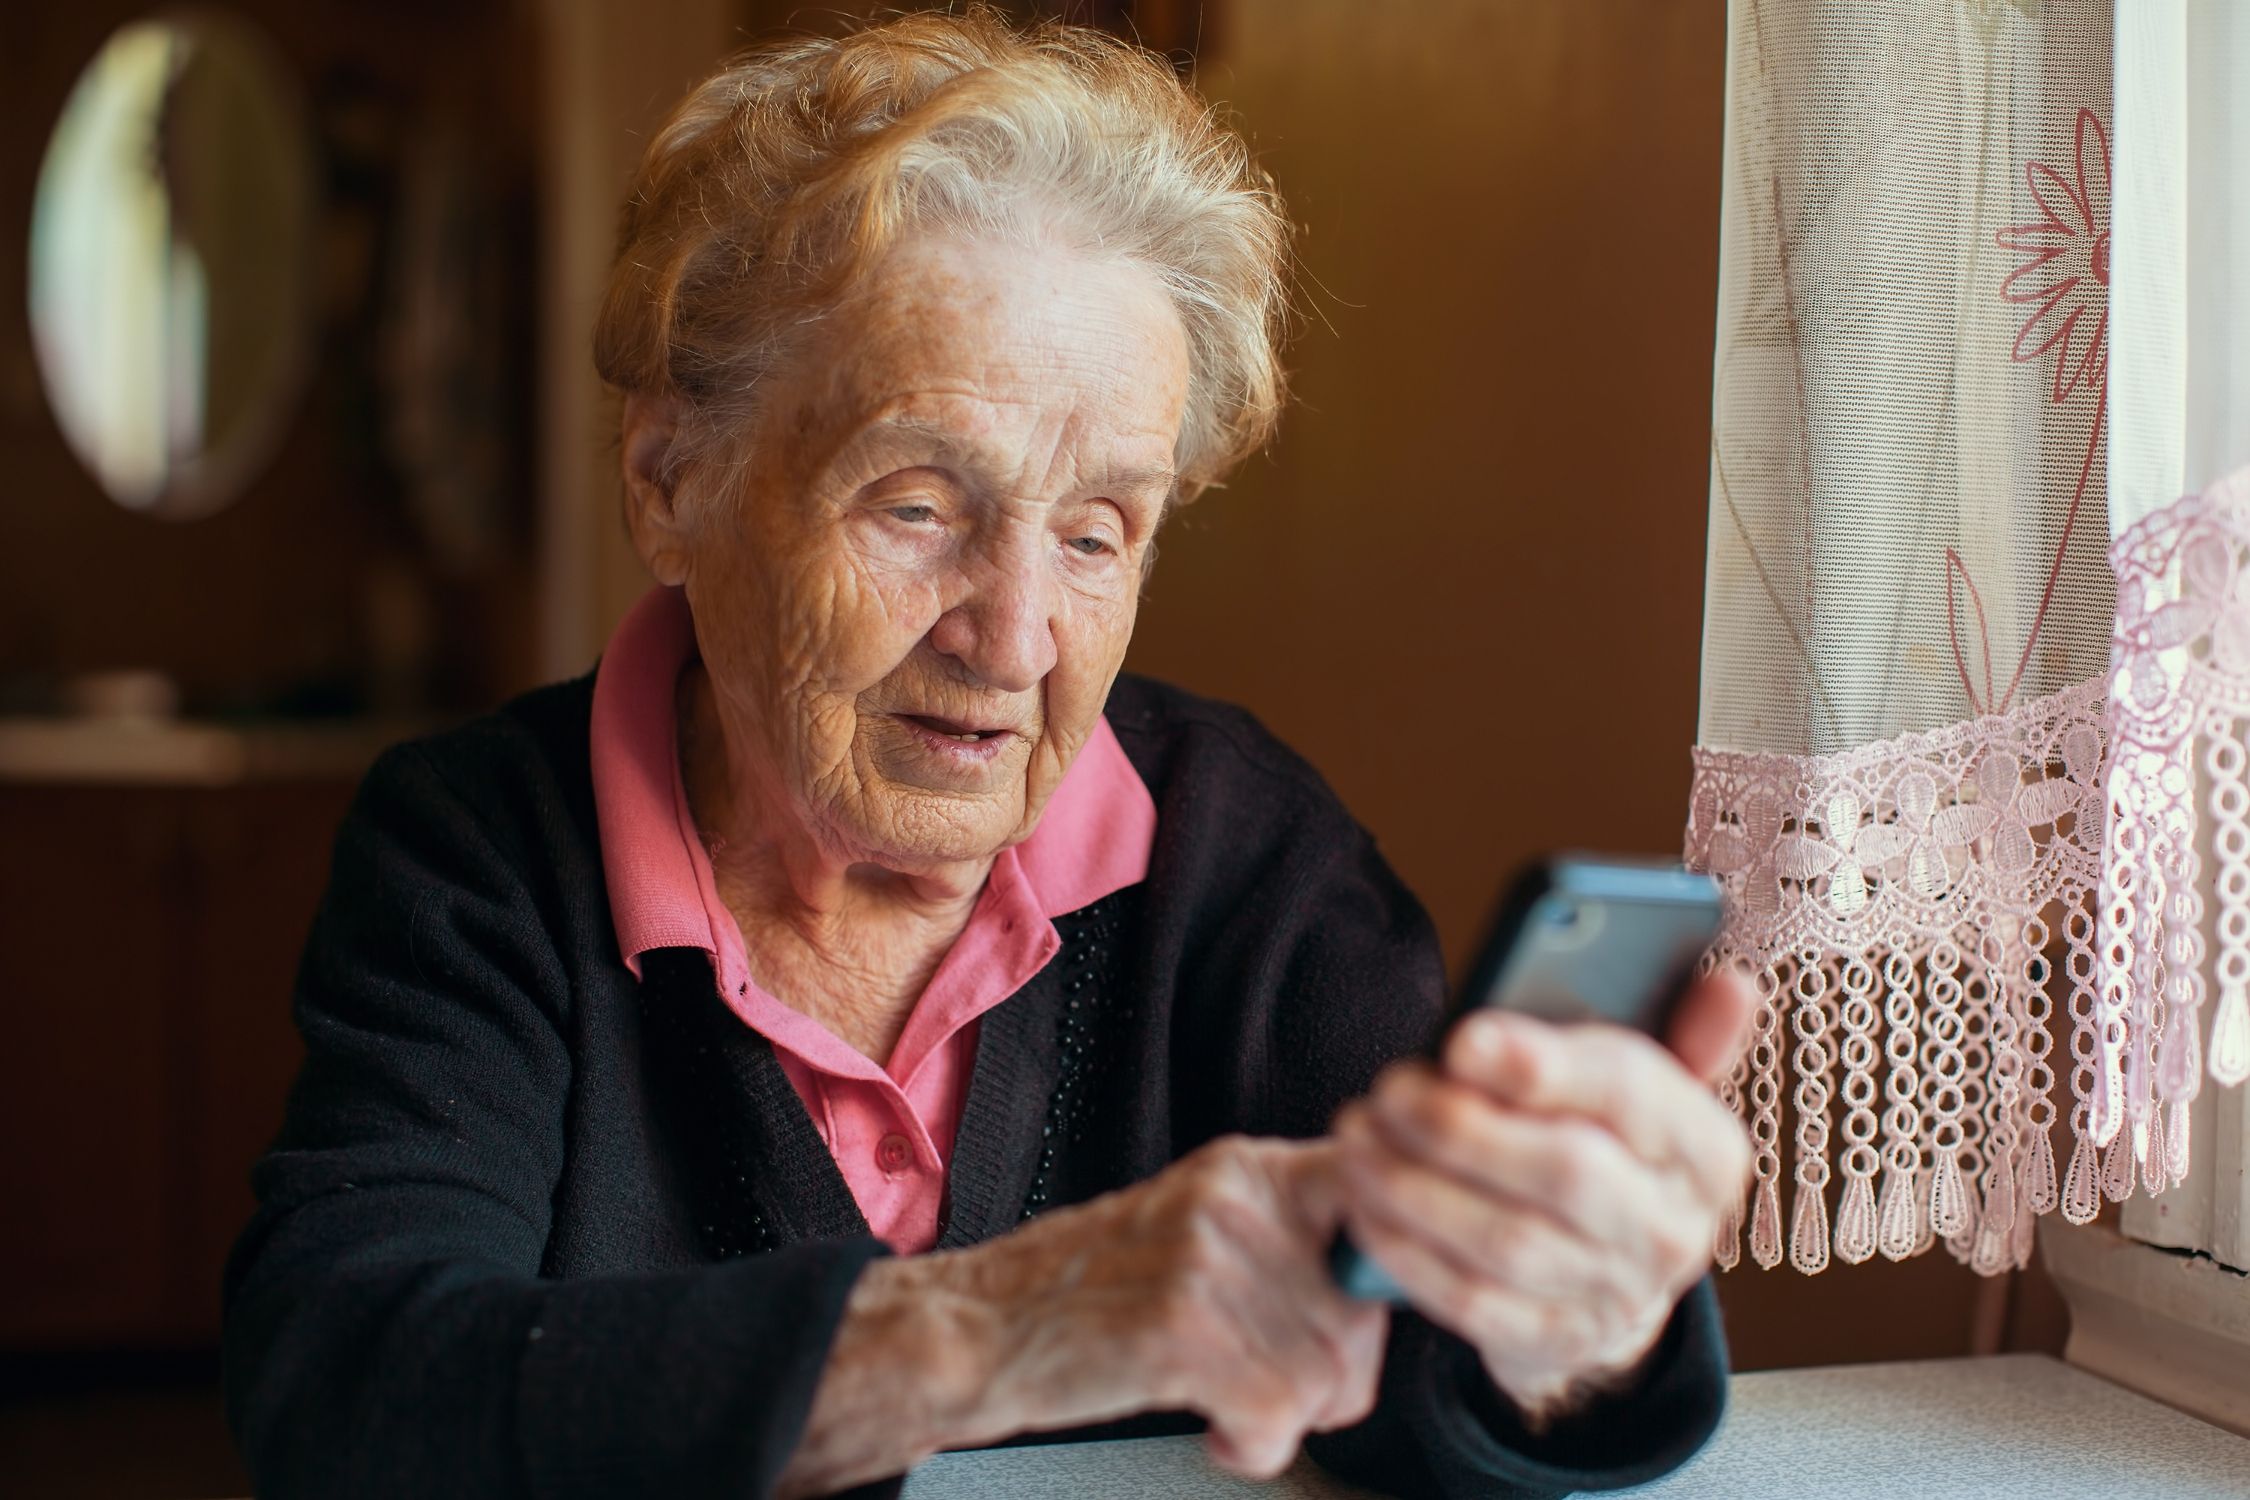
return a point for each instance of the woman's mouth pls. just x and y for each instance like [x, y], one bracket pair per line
[955, 742]
[967, 734]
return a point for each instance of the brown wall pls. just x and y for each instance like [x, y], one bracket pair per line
[1467, 582]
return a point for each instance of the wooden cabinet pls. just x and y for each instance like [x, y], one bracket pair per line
[148, 939]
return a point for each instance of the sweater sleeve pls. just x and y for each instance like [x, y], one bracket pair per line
[387, 1328]
[1356, 982]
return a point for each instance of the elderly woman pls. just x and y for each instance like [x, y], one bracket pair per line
[856, 1021]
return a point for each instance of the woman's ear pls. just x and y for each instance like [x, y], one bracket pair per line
[649, 429]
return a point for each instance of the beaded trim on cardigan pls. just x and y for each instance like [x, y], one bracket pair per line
[1085, 959]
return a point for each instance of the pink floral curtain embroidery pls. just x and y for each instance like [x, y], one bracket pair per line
[1909, 751]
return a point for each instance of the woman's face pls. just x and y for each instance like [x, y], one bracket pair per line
[912, 611]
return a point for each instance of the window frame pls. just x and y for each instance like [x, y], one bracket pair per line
[2159, 1301]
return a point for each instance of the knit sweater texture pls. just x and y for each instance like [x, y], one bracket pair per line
[533, 1227]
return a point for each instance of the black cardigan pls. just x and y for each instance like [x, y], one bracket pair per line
[534, 1228]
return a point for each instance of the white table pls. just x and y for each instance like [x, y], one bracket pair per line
[2016, 1427]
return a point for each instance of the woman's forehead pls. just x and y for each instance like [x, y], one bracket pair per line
[943, 313]
[987, 345]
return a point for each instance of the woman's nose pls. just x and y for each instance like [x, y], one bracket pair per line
[1004, 631]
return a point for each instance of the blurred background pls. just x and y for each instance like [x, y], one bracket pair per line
[303, 452]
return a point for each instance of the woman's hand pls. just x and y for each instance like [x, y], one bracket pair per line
[1550, 1192]
[1205, 1288]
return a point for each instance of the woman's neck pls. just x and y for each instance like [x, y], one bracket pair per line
[846, 941]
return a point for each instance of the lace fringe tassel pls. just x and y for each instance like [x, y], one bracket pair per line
[2179, 704]
[1892, 907]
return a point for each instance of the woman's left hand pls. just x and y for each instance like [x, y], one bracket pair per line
[1548, 1192]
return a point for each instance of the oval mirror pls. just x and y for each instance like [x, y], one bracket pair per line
[170, 262]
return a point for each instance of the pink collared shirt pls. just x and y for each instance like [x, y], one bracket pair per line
[889, 1126]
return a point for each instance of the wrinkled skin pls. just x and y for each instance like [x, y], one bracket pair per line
[951, 519]
[945, 512]
[1205, 1289]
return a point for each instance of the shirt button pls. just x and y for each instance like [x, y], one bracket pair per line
[894, 1154]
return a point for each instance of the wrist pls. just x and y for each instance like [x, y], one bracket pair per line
[901, 1383]
[921, 1313]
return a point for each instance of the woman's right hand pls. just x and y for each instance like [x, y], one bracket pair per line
[1205, 1288]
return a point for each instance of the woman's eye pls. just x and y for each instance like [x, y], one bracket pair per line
[1091, 546]
[914, 514]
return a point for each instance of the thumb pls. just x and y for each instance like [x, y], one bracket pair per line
[1712, 1023]
[1258, 1455]
[1310, 1178]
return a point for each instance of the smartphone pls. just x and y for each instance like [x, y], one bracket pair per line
[1576, 938]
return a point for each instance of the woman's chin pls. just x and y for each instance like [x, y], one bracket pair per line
[913, 827]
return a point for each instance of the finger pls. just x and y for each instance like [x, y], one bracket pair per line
[1307, 1177]
[1570, 1337]
[1258, 1407]
[1252, 1453]
[1712, 1023]
[1499, 1237]
[1489, 1316]
[1353, 1329]
[1365, 1346]
[1622, 1080]
[1324, 1345]
[1633, 1225]
[1583, 1069]
[1291, 1247]
[1573, 1170]
[1344, 1368]
[1225, 1369]
[1338, 1368]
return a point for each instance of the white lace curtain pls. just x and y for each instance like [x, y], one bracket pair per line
[1909, 750]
